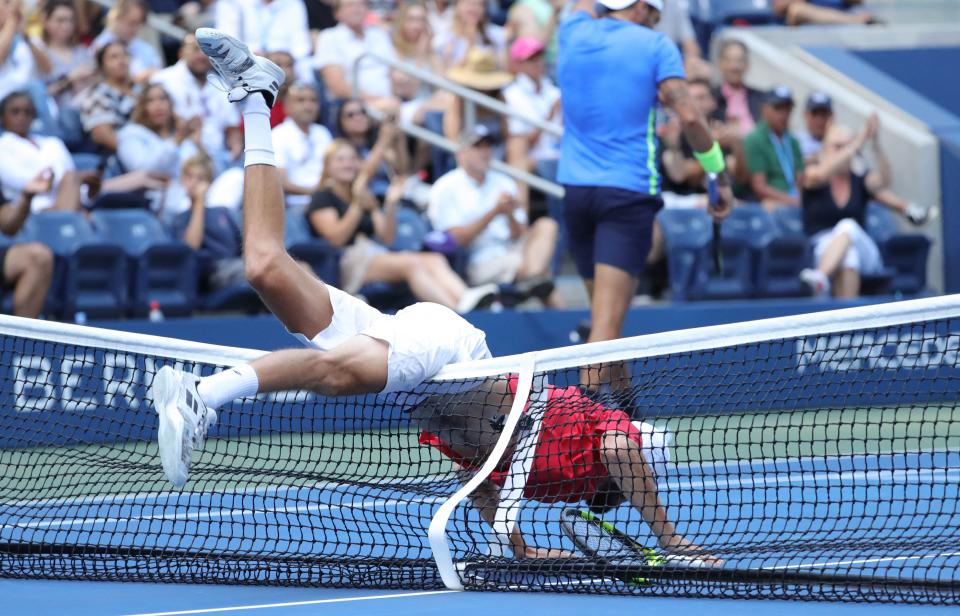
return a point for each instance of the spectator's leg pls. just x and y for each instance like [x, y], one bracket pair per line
[68, 193]
[834, 253]
[29, 268]
[438, 267]
[658, 248]
[409, 267]
[799, 12]
[296, 297]
[846, 283]
[538, 249]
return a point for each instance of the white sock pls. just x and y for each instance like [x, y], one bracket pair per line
[223, 387]
[257, 137]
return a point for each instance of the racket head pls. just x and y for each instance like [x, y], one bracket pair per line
[600, 540]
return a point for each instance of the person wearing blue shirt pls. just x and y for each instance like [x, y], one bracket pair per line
[612, 71]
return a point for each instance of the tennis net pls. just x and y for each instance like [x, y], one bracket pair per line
[812, 457]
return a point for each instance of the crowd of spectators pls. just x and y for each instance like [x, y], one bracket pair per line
[98, 111]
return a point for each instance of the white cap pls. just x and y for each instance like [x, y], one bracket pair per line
[619, 5]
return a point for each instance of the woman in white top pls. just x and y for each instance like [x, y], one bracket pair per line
[470, 29]
[153, 143]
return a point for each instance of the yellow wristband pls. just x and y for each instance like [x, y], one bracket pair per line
[712, 159]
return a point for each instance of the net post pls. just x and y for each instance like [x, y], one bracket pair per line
[437, 534]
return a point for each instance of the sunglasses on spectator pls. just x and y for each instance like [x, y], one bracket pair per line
[354, 113]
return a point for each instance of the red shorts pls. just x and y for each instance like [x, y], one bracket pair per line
[566, 462]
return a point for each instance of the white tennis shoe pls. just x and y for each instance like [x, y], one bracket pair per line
[817, 281]
[240, 72]
[184, 421]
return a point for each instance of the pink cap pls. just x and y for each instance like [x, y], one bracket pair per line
[525, 48]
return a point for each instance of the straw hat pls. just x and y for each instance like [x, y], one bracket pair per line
[480, 71]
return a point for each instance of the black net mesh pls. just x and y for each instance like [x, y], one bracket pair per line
[815, 467]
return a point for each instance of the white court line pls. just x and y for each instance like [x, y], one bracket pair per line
[812, 479]
[217, 514]
[262, 489]
[863, 561]
[266, 606]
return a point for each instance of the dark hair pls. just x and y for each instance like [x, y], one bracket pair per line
[103, 52]
[14, 95]
[371, 133]
[700, 81]
[139, 114]
[727, 44]
[48, 10]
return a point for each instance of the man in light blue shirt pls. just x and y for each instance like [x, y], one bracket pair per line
[611, 73]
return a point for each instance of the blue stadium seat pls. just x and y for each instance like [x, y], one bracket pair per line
[726, 12]
[686, 234]
[303, 245]
[735, 282]
[904, 255]
[412, 227]
[443, 161]
[789, 220]
[161, 269]
[95, 270]
[778, 257]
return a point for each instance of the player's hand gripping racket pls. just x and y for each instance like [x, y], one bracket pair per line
[713, 196]
[603, 542]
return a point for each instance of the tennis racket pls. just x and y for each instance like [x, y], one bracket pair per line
[713, 196]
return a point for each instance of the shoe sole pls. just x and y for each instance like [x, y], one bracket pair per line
[266, 65]
[170, 432]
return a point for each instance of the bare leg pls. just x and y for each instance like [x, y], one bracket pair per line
[799, 12]
[834, 253]
[658, 247]
[405, 267]
[846, 283]
[613, 289]
[29, 267]
[68, 193]
[538, 249]
[443, 274]
[624, 460]
[357, 366]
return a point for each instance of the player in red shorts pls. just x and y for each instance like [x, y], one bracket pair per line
[584, 452]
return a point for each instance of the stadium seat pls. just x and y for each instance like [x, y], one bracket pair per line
[736, 280]
[789, 220]
[738, 12]
[904, 255]
[161, 269]
[95, 270]
[686, 234]
[412, 227]
[778, 257]
[303, 245]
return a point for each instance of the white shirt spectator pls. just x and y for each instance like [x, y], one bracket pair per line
[522, 96]
[22, 159]
[341, 47]
[300, 154]
[675, 21]
[809, 145]
[278, 25]
[141, 149]
[18, 69]
[190, 100]
[456, 200]
[143, 56]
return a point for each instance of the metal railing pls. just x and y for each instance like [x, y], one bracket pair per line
[471, 99]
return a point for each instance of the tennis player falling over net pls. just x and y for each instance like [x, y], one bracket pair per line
[584, 451]
[355, 348]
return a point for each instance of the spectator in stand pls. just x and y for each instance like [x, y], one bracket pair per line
[683, 175]
[199, 105]
[818, 117]
[773, 154]
[799, 12]
[107, 105]
[338, 49]
[479, 71]
[675, 22]
[480, 210]
[532, 94]
[346, 214]
[285, 61]
[210, 230]
[739, 103]
[72, 68]
[412, 39]
[470, 30]
[300, 144]
[154, 143]
[22, 63]
[836, 191]
[269, 25]
[382, 150]
[23, 157]
[124, 22]
[536, 19]
[26, 267]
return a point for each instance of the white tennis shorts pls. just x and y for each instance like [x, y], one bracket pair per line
[863, 254]
[423, 338]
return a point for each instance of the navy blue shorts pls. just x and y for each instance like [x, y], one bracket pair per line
[612, 226]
